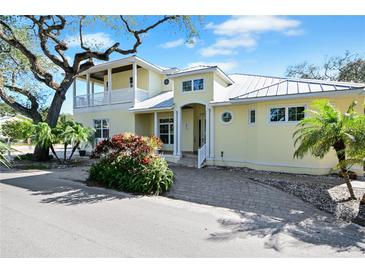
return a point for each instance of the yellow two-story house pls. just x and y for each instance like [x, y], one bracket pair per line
[202, 112]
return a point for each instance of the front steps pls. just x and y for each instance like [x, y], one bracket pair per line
[188, 160]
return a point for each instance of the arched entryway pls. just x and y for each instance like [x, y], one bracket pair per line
[192, 131]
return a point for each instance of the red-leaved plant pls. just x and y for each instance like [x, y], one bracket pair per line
[138, 147]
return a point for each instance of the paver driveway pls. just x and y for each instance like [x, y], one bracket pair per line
[53, 214]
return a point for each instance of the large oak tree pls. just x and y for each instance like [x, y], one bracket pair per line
[33, 52]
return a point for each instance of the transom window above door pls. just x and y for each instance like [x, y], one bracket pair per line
[193, 85]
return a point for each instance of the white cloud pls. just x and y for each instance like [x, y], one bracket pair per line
[173, 44]
[98, 39]
[225, 66]
[251, 24]
[214, 51]
[180, 42]
[243, 32]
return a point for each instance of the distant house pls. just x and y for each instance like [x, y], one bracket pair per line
[230, 120]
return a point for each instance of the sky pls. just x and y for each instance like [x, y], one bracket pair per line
[264, 45]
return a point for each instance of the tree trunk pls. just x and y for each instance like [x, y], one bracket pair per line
[64, 152]
[41, 154]
[341, 156]
[73, 151]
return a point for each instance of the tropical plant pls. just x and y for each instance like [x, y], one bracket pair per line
[129, 163]
[4, 149]
[327, 128]
[45, 137]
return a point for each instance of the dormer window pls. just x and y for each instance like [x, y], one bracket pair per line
[193, 85]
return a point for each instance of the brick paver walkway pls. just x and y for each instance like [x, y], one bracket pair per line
[230, 189]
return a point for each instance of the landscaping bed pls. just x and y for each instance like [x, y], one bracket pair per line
[327, 193]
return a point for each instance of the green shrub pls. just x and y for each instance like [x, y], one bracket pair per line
[129, 163]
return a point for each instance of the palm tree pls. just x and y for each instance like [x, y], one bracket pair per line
[75, 134]
[44, 137]
[4, 149]
[327, 128]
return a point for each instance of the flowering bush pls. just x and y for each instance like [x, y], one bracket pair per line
[129, 163]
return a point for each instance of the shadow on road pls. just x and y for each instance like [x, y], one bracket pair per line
[61, 191]
[316, 230]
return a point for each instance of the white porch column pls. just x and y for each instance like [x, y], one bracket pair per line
[92, 93]
[207, 130]
[74, 92]
[211, 132]
[155, 128]
[110, 85]
[134, 81]
[175, 132]
[88, 88]
[179, 112]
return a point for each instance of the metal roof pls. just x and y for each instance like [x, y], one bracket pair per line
[248, 86]
[161, 101]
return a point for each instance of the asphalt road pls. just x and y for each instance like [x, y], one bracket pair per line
[52, 214]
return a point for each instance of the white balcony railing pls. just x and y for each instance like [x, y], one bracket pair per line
[118, 96]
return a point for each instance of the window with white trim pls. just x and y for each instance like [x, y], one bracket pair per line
[277, 115]
[167, 131]
[226, 117]
[101, 127]
[252, 116]
[193, 85]
[287, 114]
[296, 113]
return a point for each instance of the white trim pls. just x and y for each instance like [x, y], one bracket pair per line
[155, 124]
[179, 135]
[146, 110]
[105, 107]
[203, 70]
[122, 62]
[221, 114]
[291, 96]
[192, 91]
[286, 107]
[101, 119]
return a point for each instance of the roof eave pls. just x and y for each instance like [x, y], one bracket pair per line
[204, 70]
[288, 96]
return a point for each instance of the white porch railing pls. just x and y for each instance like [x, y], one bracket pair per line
[202, 155]
[125, 95]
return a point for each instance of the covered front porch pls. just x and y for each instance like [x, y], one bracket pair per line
[186, 131]
[125, 81]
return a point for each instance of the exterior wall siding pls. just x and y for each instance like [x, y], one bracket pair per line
[266, 145]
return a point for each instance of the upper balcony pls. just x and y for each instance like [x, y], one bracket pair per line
[127, 81]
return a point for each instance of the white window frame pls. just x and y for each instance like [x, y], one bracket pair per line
[101, 119]
[221, 116]
[169, 132]
[286, 121]
[249, 116]
[192, 85]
